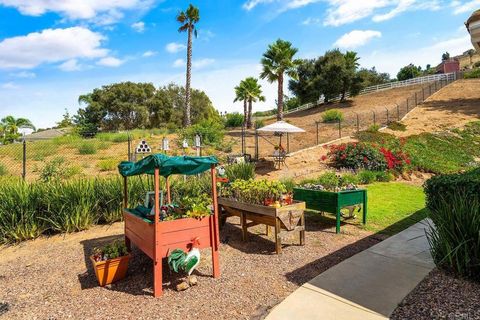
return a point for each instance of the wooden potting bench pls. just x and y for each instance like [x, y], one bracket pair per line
[332, 202]
[286, 220]
[155, 238]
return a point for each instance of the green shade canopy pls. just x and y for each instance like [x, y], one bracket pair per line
[167, 165]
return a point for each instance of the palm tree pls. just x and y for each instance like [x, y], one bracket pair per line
[241, 95]
[11, 124]
[351, 65]
[277, 61]
[254, 94]
[188, 20]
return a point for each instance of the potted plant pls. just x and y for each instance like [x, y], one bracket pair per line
[110, 262]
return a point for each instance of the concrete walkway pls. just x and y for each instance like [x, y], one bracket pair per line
[369, 285]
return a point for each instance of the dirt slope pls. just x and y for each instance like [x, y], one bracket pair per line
[451, 107]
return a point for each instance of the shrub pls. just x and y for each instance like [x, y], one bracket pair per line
[472, 74]
[395, 160]
[332, 115]
[373, 128]
[367, 176]
[107, 164]
[259, 123]
[289, 184]
[234, 120]
[356, 156]
[397, 126]
[242, 171]
[57, 169]
[454, 207]
[329, 180]
[113, 137]
[211, 132]
[87, 148]
[349, 178]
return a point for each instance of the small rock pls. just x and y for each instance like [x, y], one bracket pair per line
[182, 286]
[192, 280]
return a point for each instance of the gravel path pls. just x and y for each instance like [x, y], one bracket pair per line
[441, 296]
[51, 278]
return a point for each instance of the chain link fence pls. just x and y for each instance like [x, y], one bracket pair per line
[261, 145]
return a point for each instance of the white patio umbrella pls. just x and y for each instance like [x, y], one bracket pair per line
[281, 127]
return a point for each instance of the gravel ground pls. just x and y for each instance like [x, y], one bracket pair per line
[51, 278]
[441, 296]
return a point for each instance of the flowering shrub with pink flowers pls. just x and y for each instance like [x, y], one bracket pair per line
[356, 156]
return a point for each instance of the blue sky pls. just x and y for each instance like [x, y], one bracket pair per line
[51, 51]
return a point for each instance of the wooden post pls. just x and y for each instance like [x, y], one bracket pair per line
[243, 222]
[302, 233]
[364, 206]
[214, 229]
[278, 240]
[128, 244]
[157, 258]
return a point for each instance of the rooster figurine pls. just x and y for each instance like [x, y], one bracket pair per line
[181, 261]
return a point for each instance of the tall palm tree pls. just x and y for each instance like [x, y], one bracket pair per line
[188, 20]
[11, 124]
[241, 95]
[254, 94]
[278, 61]
[351, 65]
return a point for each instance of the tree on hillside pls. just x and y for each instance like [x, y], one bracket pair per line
[331, 68]
[351, 81]
[188, 20]
[409, 72]
[371, 77]
[254, 94]
[445, 56]
[303, 87]
[241, 95]
[277, 61]
[470, 54]
[128, 105]
[66, 121]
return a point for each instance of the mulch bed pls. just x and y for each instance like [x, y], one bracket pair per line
[441, 296]
[52, 278]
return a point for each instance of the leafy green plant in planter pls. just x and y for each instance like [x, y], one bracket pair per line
[242, 171]
[113, 250]
[257, 191]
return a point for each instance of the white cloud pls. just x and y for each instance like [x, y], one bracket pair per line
[138, 26]
[179, 63]
[392, 61]
[342, 12]
[50, 46]
[110, 62]
[174, 47]
[283, 5]
[104, 12]
[202, 63]
[250, 4]
[197, 64]
[311, 21]
[149, 53]
[23, 75]
[9, 86]
[468, 6]
[70, 65]
[356, 38]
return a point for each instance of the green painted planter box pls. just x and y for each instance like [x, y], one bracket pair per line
[332, 202]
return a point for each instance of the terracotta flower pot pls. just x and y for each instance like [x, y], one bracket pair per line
[110, 271]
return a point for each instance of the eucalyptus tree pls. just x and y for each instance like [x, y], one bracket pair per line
[253, 94]
[188, 20]
[277, 61]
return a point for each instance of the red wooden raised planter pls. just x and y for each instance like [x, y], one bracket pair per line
[155, 238]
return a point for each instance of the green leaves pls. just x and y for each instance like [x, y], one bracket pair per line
[256, 191]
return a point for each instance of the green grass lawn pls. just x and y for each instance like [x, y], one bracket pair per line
[394, 206]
